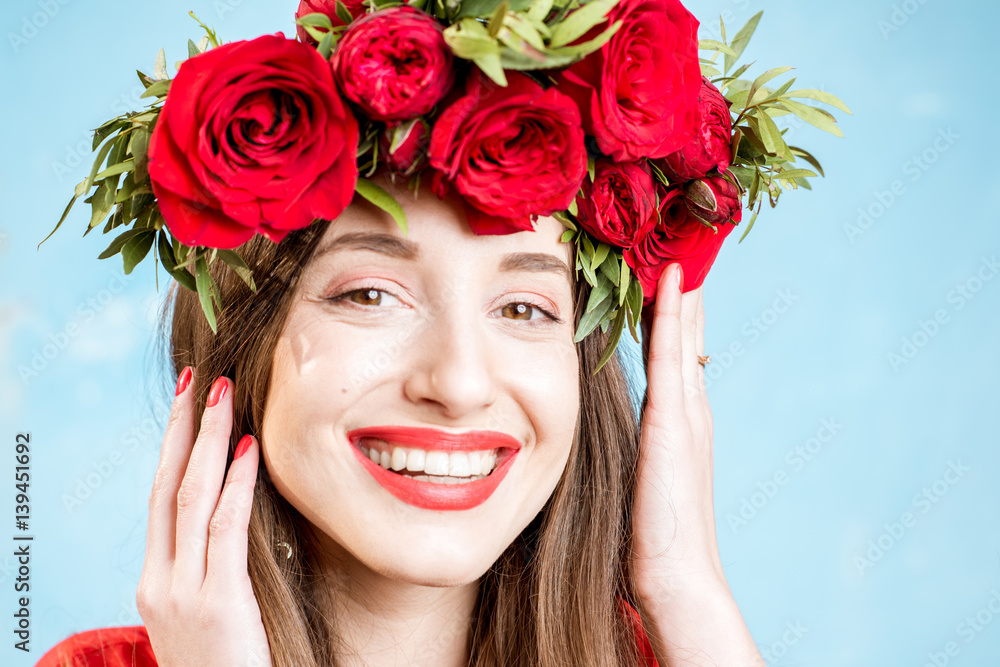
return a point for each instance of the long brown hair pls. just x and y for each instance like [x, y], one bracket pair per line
[554, 595]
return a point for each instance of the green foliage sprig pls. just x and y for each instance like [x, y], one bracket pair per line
[124, 196]
[762, 160]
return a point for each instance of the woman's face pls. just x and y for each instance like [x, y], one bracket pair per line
[397, 349]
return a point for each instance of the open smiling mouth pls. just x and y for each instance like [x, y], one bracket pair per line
[438, 467]
[447, 471]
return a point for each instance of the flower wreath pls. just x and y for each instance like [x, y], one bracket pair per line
[600, 114]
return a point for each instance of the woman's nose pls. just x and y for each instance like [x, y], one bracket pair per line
[453, 366]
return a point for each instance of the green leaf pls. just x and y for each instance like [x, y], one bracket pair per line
[496, 18]
[212, 37]
[101, 155]
[62, 218]
[119, 243]
[610, 271]
[236, 263]
[626, 276]
[743, 174]
[116, 170]
[780, 91]
[714, 45]
[207, 290]
[136, 249]
[343, 13]
[616, 334]
[107, 129]
[103, 202]
[816, 117]
[633, 300]
[598, 295]
[600, 254]
[753, 219]
[591, 320]
[325, 46]
[820, 96]
[192, 49]
[318, 20]
[709, 71]
[167, 258]
[771, 135]
[764, 78]
[484, 8]
[539, 9]
[808, 157]
[140, 152]
[158, 89]
[567, 236]
[741, 40]
[792, 174]
[565, 220]
[378, 196]
[580, 21]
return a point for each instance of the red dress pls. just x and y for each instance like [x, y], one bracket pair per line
[129, 647]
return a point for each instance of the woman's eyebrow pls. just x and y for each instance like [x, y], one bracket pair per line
[381, 243]
[394, 246]
[536, 262]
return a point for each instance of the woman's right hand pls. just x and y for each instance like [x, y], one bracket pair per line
[194, 594]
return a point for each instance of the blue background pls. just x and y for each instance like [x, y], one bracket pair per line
[802, 318]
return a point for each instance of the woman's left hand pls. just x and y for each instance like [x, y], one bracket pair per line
[675, 547]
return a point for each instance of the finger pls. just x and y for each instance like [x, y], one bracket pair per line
[177, 443]
[700, 337]
[227, 531]
[689, 346]
[663, 373]
[707, 408]
[199, 491]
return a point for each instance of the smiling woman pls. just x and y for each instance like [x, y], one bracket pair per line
[400, 431]
[439, 343]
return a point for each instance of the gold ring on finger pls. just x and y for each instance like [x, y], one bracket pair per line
[704, 361]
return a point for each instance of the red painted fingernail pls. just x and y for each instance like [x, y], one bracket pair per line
[183, 381]
[243, 446]
[217, 392]
[679, 278]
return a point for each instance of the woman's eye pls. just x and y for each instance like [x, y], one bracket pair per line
[525, 311]
[367, 296]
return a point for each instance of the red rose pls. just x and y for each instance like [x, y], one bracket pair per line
[638, 94]
[328, 7]
[677, 237]
[714, 200]
[403, 146]
[513, 152]
[253, 137]
[619, 207]
[394, 63]
[711, 146]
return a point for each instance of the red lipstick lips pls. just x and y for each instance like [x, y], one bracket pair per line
[430, 495]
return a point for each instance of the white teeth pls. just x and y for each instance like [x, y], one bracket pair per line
[415, 460]
[447, 480]
[459, 465]
[475, 463]
[437, 464]
[398, 459]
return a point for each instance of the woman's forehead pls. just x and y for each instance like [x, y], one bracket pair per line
[436, 227]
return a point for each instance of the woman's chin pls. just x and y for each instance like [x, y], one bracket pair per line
[435, 563]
